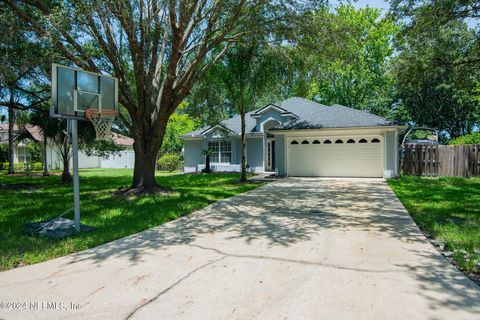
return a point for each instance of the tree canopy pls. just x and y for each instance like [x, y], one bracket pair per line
[437, 70]
[344, 57]
[419, 62]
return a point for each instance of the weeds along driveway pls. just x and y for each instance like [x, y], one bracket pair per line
[296, 248]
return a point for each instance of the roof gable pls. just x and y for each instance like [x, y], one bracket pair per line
[272, 106]
[217, 127]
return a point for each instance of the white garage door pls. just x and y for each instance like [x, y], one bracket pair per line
[355, 156]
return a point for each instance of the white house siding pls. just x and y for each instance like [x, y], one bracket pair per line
[280, 154]
[85, 161]
[255, 154]
[125, 159]
[192, 155]
[391, 152]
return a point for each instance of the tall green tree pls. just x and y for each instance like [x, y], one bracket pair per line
[437, 70]
[20, 60]
[157, 50]
[246, 79]
[341, 56]
[179, 123]
[49, 128]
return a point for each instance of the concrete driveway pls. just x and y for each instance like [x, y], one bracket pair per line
[294, 249]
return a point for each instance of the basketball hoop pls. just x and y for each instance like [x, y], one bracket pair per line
[102, 122]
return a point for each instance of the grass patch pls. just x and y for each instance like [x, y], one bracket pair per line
[447, 209]
[113, 217]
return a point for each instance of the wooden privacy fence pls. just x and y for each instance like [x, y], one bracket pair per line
[439, 160]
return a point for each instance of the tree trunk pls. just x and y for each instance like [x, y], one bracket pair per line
[11, 123]
[66, 176]
[144, 172]
[45, 162]
[243, 177]
[146, 148]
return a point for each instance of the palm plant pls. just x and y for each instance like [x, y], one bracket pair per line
[49, 129]
[207, 153]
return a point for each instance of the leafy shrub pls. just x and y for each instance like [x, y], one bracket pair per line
[170, 162]
[473, 138]
[4, 165]
[20, 166]
[36, 152]
[36, 166]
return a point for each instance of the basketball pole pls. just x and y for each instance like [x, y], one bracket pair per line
[76, 182]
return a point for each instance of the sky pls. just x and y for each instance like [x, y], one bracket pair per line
[380, 4]
[384, 5]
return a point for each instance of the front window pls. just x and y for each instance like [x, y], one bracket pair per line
[221, 151]
[23, 154]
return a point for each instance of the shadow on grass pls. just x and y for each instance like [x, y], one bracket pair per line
[113, 217]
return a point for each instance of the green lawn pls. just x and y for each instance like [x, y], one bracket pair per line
[113, 216]
[448, 209]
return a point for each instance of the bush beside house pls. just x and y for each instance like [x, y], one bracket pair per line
[170, 162]
[30, 166]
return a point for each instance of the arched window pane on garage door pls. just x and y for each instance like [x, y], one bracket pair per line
[362, 141]
[305, 142]
[294, 142]
[339, 141]
[316, 142]
[375, 140]
[350, 141]
[327, 142]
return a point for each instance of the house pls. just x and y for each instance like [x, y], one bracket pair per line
[20, 150]
[122, 159]
[298, 137]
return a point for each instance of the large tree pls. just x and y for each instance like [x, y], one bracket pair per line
[20, 59]
[437, 69]
[250, 73]
[341, 56]
[157, 49]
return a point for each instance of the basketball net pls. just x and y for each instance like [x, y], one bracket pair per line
[102, 122]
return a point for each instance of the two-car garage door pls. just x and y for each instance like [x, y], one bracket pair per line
[355, 156]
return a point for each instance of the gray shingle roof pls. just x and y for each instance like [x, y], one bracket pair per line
[311, 115]
[336, 116]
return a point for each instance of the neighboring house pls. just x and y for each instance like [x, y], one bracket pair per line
[122, 159]
[20, 150]
[298, 137]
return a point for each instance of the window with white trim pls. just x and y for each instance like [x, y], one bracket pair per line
[23, 154]
[221, 151]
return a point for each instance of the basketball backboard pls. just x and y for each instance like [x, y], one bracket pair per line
[75, 90]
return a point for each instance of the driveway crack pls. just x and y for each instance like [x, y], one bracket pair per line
[131, 314]
[303, 262]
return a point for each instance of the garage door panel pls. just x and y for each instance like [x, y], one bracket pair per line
[336, 160]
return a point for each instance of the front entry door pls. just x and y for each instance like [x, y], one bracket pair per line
[270, 156]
